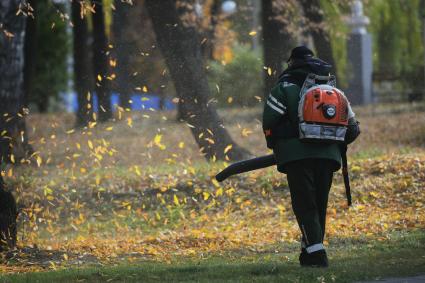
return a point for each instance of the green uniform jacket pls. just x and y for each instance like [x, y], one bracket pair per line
[280, 125]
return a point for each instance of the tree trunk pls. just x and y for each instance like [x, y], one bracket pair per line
[276, 43]
[43, 106]
[316, 24]
[180, 44]
[82, 76]
[8, 215]
[12, 33]
[208, 45]
[30, 46]
[422, 15]
[100, 62]
[122, 48]
[13, 143]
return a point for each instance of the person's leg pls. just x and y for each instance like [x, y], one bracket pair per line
[323, 182]
[301, 181]
[303, 195]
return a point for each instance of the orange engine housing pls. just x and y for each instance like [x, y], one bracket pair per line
[325, 105]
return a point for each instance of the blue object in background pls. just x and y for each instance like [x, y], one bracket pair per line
[144, 102]
[115, 100]
[139, 102]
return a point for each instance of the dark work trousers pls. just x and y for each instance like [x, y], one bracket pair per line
[309, 181]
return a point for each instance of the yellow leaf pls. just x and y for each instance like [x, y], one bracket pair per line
[109, 128]
[355, 168]
[8, 34]
[206, 195]
[145, 89]
[99, 78]
[157, 142]
[229, 147]
[136, 168]
[215, 183]
[229, 99]
[246, 132]
[90, 144]
[47, 191]
[130, 122]
[39, 161]
[176, 200]
[252, 33]
[374, 194]
[175, 100]
[181, 144]
[12, 158]
[269, 71]
[157, 139]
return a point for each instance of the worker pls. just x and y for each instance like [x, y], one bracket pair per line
[309, 166]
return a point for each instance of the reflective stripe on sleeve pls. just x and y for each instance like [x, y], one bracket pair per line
[315, 248]
[275, 108]
[277, 102]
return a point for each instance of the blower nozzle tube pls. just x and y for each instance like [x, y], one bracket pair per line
[245, 166]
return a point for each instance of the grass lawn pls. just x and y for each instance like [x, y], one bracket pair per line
[349, 262]
[133, 199]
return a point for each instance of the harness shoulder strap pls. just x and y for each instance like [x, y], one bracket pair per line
[311, 80]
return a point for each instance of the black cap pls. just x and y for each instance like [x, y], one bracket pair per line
[301, 52]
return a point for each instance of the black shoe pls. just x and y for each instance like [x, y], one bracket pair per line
[315, 259]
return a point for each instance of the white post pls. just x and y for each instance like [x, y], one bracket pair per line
[360, 57]
[255, 22]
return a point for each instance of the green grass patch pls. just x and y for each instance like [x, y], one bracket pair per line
[350, 260]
